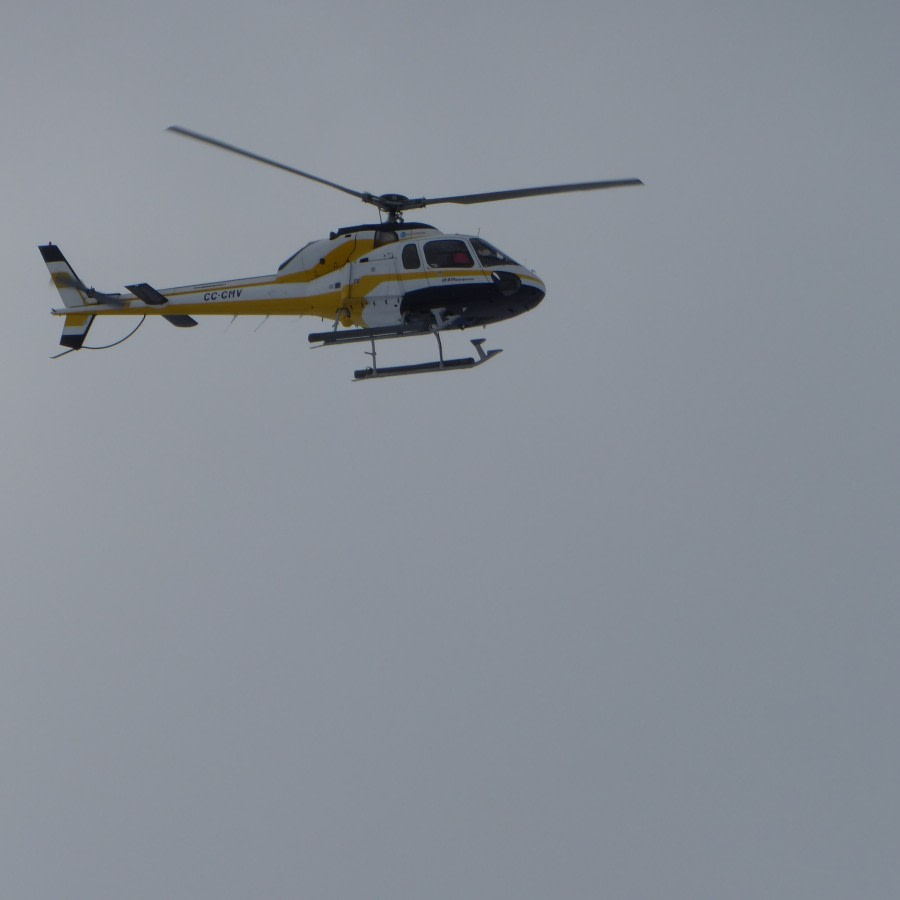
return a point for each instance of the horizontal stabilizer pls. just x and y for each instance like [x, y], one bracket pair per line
[148, 294]
[181, 321]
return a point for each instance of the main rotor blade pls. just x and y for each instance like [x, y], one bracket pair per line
[263, 159]
[490, 196]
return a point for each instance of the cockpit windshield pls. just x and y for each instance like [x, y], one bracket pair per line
[489, 255]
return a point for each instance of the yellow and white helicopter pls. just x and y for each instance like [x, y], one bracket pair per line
[389, 280]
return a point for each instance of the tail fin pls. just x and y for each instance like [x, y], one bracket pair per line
[73, 293]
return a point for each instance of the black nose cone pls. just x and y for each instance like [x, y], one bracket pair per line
[508, 283]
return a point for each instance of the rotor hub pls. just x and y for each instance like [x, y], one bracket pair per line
[394, 204]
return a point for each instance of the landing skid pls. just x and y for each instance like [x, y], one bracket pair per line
[335, 338]
[440, 365]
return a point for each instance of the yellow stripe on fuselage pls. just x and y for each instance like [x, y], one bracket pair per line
[326, 305]
[322, 305]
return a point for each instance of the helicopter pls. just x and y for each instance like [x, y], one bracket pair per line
[378, 281]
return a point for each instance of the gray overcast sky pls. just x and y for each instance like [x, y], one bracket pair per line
[614, 616]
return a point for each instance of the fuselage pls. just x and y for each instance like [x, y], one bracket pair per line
[364, 276]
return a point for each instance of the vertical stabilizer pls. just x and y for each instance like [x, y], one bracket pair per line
[73, 293]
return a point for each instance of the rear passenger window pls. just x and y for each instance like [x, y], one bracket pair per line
[411, 257]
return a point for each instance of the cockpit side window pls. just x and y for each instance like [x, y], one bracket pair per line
[410, 257]
[448, 254]
[489, 255]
